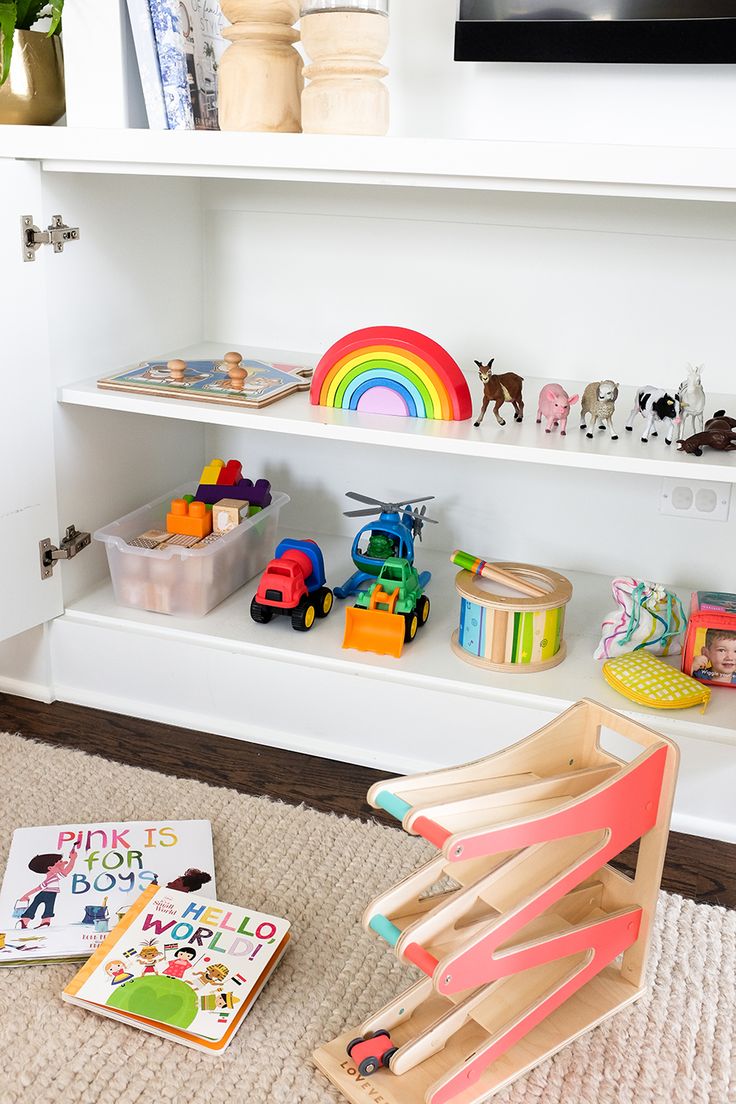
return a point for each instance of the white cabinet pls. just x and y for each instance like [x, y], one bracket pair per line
[567, 263]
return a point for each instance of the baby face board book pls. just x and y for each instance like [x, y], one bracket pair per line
[67, 885]
[182, 966]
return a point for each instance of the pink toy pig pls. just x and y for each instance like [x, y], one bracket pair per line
[554, 406]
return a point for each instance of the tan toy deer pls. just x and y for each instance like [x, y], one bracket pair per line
[498, 390]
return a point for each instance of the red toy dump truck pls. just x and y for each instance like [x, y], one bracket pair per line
[293, 583]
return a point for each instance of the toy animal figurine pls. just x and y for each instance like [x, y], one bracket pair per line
[719, 433]
[656, 406]
[599, 401]
[554, 406]
[500, 389]
[692, 400]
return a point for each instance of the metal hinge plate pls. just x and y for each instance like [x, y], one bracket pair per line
[72, 543]
[57, 235]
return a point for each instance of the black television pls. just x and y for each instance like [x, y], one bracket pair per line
[644, 31]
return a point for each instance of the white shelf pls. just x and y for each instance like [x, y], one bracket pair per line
[664, 172]
[525, 443]
[428, 662]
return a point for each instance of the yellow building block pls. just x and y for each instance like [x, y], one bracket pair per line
[211, 471]
[193, 519]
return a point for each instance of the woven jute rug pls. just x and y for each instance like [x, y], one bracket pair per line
[675, 1046]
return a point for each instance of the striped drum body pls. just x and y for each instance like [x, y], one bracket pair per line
[508, 632]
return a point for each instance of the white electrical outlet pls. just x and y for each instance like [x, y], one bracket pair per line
[691, 498]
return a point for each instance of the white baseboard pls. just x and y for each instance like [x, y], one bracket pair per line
[20, 688]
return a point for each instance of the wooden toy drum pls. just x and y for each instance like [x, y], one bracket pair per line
[506, 631]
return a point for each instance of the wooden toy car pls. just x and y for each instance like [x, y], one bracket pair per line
[370, 1052]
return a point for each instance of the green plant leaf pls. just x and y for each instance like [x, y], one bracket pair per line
[56, 9]
[8, 13]
[27, 13]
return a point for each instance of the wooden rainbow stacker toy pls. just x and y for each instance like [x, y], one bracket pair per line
[538, 939]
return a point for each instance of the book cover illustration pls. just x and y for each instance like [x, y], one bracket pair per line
[208, 381]
[144, 39]
[182, 966]
[66, 886]
[166, 16]
[201, 22]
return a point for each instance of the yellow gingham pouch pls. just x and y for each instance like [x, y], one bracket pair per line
[646, 680]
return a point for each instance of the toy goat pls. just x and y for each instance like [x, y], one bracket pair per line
[554, 406]
[498, 390]
[656, 406]
[692, 400]
[599, 401]
[719, 433]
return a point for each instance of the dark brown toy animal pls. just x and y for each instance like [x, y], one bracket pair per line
[498, 390]
[190, 881]
[719, 433]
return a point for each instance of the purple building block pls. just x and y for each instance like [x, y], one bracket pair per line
[258, 493]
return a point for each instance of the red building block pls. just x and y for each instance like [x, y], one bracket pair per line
[231, 474]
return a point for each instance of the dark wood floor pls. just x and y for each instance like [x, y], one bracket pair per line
[702, 869]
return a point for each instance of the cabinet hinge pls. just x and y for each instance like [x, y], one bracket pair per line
[57, 235]
[72, 543]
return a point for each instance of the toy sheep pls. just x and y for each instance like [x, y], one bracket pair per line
[554, 406]
[599, 401]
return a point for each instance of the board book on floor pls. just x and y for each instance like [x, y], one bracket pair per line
[182, 966]
[67, 885]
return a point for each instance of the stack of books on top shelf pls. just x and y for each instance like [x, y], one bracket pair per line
[178, 44]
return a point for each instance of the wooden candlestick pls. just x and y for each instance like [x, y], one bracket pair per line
[260, 75]
[345, 94]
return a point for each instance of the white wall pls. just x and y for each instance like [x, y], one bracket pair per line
[434, 96]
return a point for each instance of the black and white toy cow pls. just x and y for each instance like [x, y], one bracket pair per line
[656, 406]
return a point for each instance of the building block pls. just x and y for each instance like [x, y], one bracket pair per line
[227, 515]
[231, 474]
[257, 494]
[538, 938]
[211, 471]
[190, 519]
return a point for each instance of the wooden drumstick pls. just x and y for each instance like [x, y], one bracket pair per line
[496, 574]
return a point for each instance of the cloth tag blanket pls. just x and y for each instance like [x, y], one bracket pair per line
[647, 616]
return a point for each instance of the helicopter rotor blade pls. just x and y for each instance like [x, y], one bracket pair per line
[411, 501]
[362, 513]
[363, 498]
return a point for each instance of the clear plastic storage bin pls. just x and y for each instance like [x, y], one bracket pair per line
[186, 581]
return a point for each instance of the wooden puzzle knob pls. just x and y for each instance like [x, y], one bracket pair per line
[177, 368]
[235, 370]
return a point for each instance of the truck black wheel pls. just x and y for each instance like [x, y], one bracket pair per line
[411, 624]
[352, 1043]
[323, 601]
[423, 609]
[303, 617]
[386, 1058]
[368, 1066]
[260, 614]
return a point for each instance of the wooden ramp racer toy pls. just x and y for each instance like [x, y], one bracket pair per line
[536, 938]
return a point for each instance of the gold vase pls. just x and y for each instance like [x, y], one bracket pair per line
[34, 90]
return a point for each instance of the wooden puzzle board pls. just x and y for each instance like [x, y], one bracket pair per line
[600, 998]
[207, 381]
